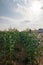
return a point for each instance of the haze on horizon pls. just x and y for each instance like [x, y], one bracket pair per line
[21, 14]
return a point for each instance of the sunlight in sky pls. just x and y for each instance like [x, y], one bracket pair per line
[21, 14]
[36, 5]
[33, 12]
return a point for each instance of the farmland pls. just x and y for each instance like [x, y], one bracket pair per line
[21, 48]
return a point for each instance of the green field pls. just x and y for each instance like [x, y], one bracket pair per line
[20, 48]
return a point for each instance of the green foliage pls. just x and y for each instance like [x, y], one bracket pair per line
[30, 44]
[12, 42]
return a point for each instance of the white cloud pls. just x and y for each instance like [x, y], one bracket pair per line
[26, 10]
[6, 22]
[35, 18]
[7, 18]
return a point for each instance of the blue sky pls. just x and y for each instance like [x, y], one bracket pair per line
[21, 14]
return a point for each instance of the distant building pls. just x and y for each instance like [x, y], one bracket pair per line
[40, 31]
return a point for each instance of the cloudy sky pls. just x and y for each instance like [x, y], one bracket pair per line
[21, 14]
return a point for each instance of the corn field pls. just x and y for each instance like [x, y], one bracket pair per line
[19, 48]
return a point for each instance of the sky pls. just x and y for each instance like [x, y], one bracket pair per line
[21, 14]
